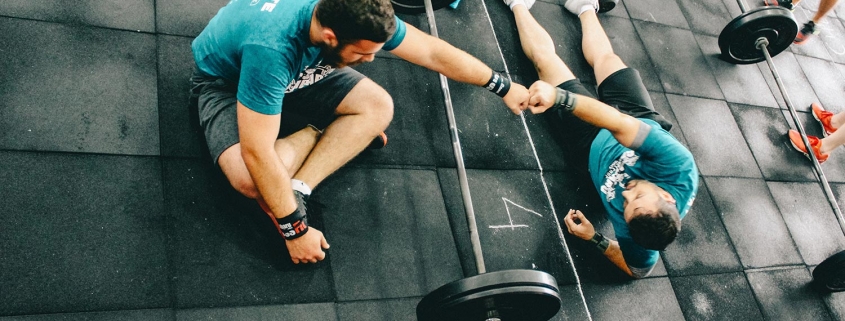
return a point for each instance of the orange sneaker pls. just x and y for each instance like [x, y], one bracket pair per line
[823, 116]
[815, 142]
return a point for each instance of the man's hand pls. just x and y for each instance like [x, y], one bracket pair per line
[308, 248]
[542, 97]
[578, 225]
[517, 98]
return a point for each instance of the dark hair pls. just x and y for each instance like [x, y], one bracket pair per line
[353, 20]
[658, 229]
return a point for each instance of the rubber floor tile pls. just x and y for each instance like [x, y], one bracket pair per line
[77, 89]
[125, 315]
[754, 223]
[809, 217]
[184, 17]
[740, 83]
[765, 131]
[102, 247]
[127, 15]
[707, 139]
[225, 251]
[682, 67]
[516, 226]
[795, 82]
[389, 233]
[296, 312]
[419, 132]
[703, 246]
[785, 294]
[662, 12]
[827, 84]
[707, 17]
[399, 309]
[716, 297]
[181, 134]
[625, 301]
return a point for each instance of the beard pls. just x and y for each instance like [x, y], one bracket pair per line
[331, 56]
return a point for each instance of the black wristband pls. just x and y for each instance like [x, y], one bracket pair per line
[601, 242]
[296, 224]
[498, 84]
[565, 100]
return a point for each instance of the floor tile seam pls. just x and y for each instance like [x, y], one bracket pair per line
[662, 24]
[70, 24]
[760, 306]
[173, 296]
[399, 298]
[542, 177]
[392, 166]
[86, 312]
[738, 270]
[60, 152]
[698, 96]
[803, 73]
[781, 267]
[788, 229]
[724, 225]
[814, 57]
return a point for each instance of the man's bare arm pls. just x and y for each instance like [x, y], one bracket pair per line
[623, 127]
[435, 54]
[258, 134]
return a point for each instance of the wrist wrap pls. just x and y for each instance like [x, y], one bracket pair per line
[601, 242]
[565, 100]
[296, 224]
[498, 84]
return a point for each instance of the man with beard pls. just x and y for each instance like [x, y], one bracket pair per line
[262, 64]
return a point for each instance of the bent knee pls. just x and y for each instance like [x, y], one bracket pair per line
[245, 186]
[371, 100]
[233, 167]
[381, 106]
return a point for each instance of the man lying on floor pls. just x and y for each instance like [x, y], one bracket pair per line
[619, 138]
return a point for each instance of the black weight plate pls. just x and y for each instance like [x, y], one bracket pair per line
[525, 295]
[830, 274]
[738, 41]
[417, 6]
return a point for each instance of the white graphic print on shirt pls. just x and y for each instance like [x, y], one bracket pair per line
[309, 76]
[616, 174]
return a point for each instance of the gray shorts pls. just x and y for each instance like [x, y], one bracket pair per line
[216, 101]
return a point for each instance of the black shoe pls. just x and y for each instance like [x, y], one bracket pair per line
[607, 5]
[379, 142]
[782, 3]
[806, 31]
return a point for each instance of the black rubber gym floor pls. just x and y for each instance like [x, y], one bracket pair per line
[111, 209]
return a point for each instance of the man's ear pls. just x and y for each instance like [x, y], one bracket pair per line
[328, 36]
[668, 197]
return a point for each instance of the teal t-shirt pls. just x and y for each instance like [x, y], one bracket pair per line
[264, 47]
[660, 159]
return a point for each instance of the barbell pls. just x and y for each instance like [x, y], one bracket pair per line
[758, 35]
[525, 295]
[531, 295]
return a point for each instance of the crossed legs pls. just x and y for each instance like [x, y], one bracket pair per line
[365, 112]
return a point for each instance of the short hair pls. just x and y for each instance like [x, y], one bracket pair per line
[656, 230]
[353, 20]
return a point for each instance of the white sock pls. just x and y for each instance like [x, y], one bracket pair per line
[516, 2]
[300, 186]
[586, 8]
